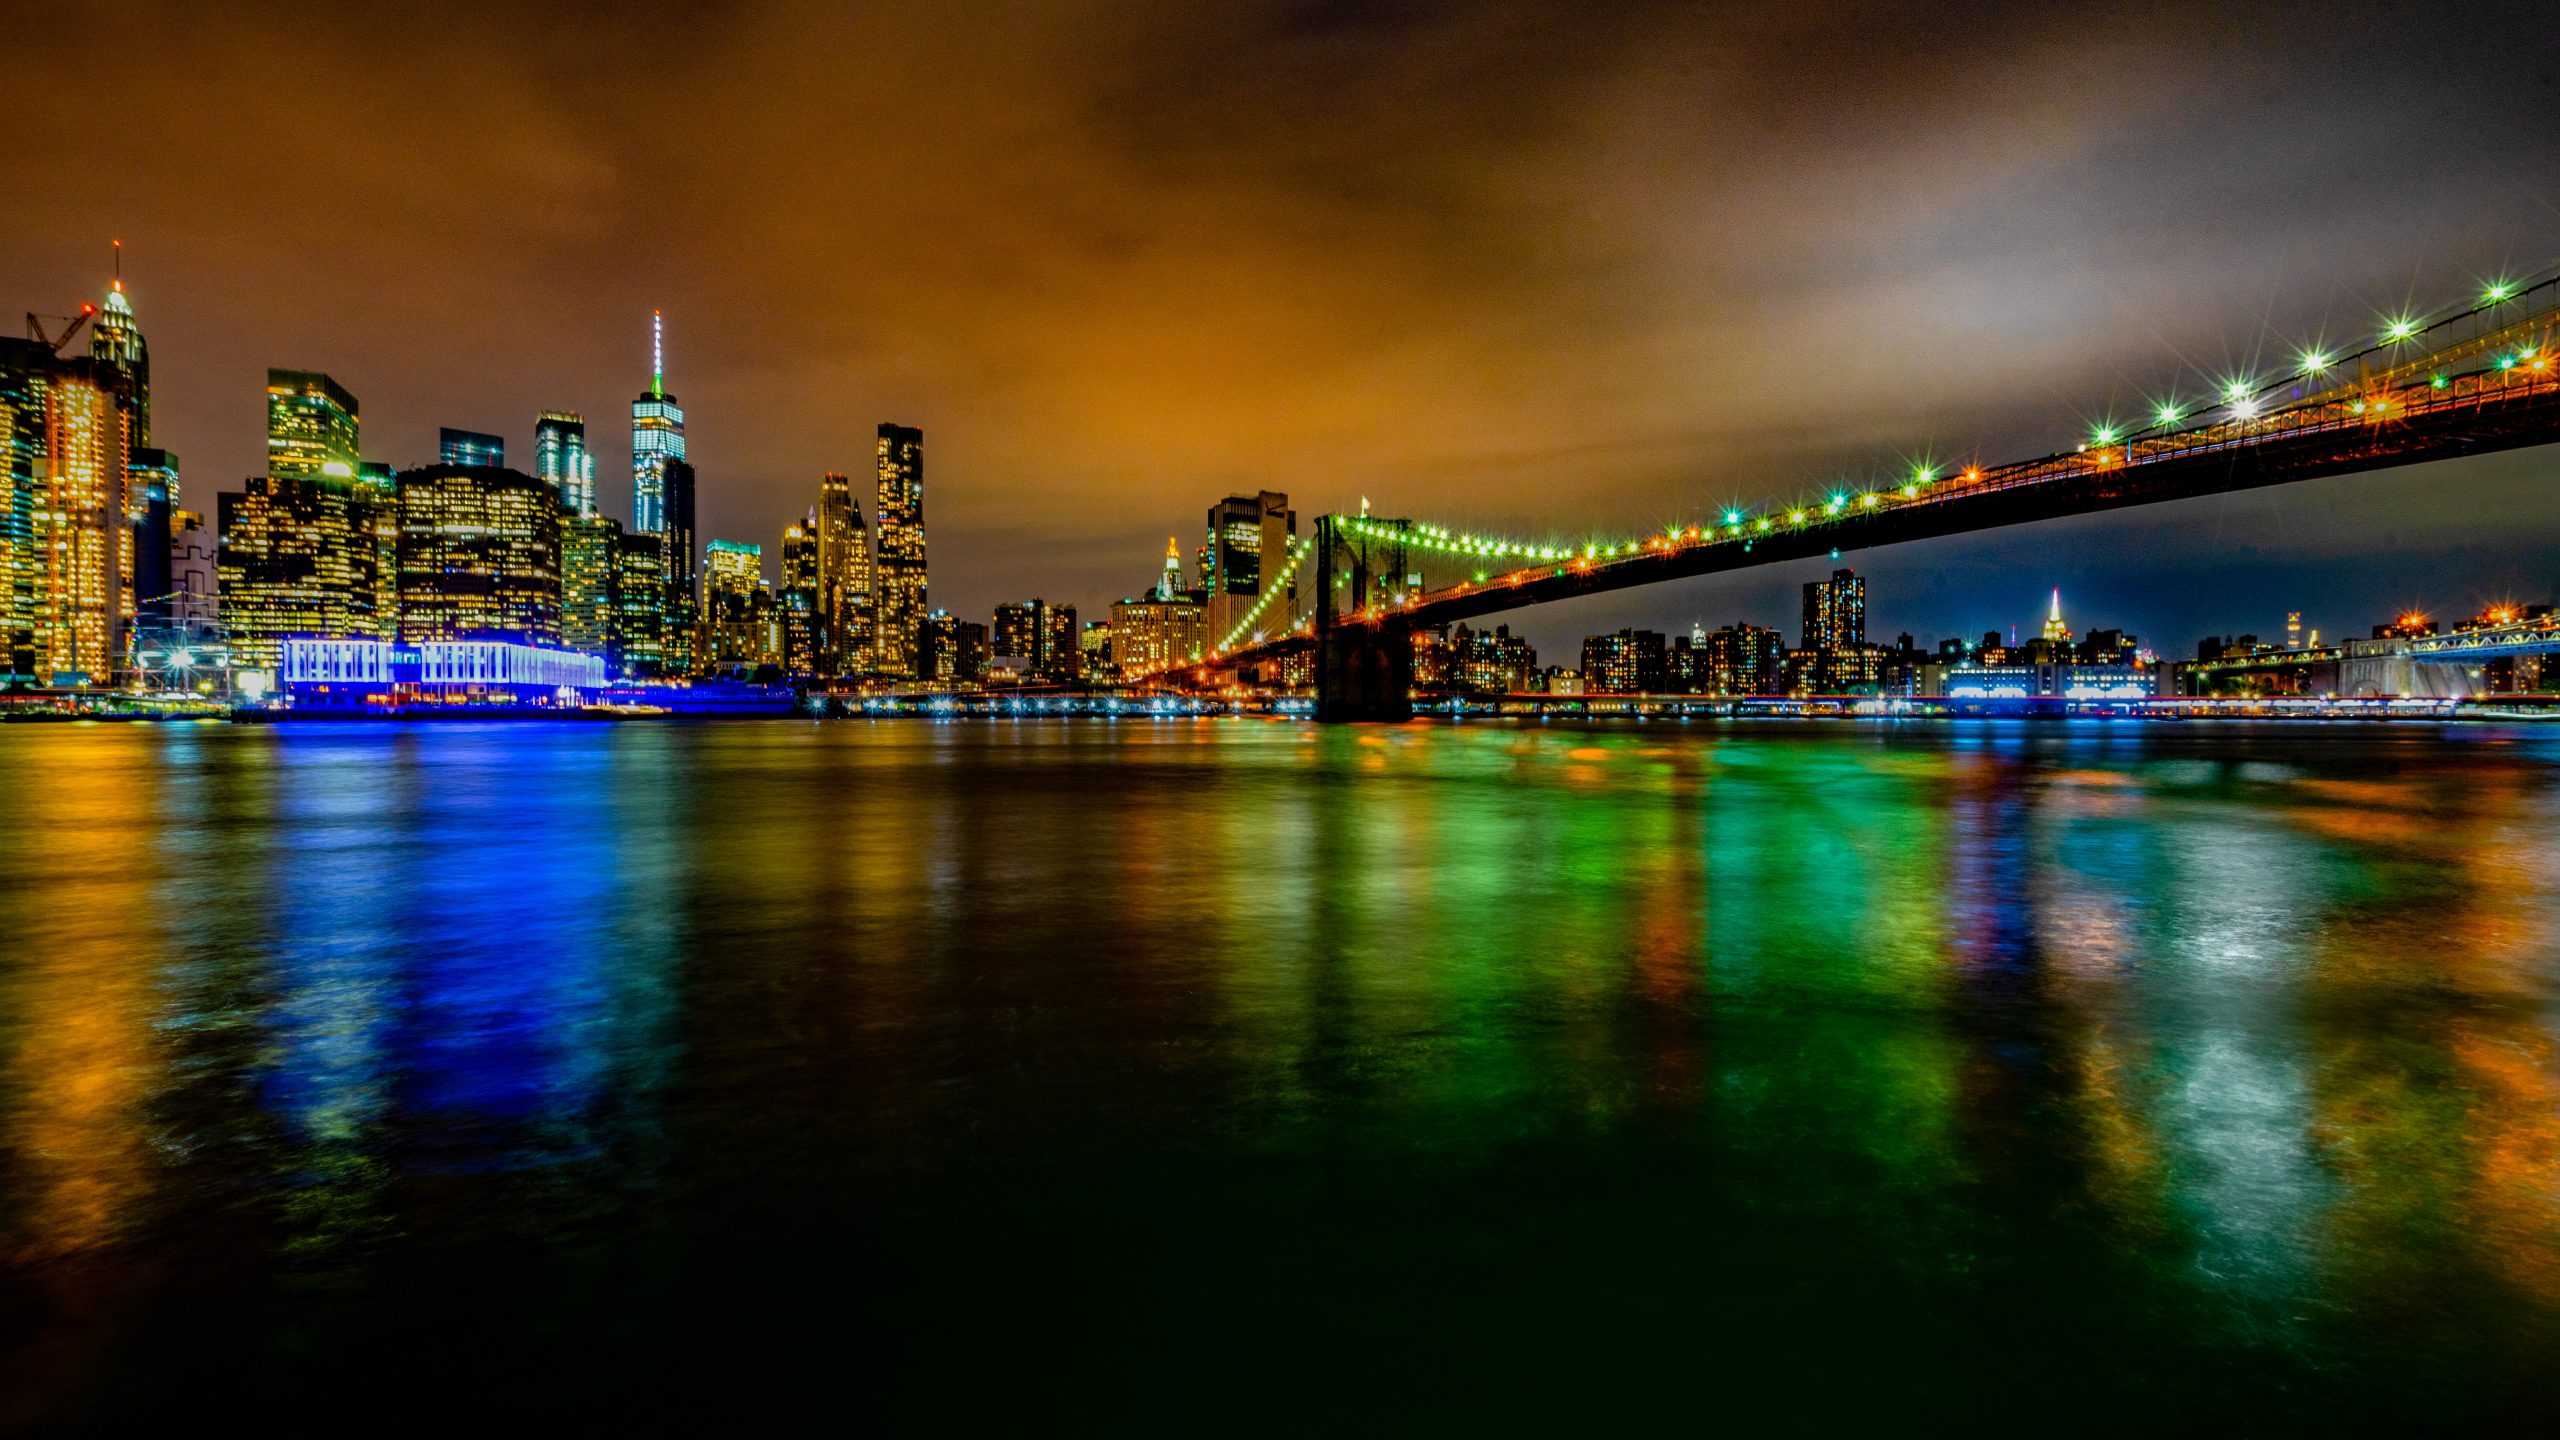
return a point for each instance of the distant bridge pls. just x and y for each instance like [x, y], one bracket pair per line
[2468, 380]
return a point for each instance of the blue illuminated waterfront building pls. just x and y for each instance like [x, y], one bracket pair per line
[376, 675]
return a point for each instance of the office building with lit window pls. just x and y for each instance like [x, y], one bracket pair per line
[1835, 631]
[657, 437]
[1245, 553]
[1744, 659]
[469, 447]
[954, 651]
[302, 557]
[590, 583]
[115, 338]
[804, 625]
[1494, 662]
[151, 508]
[844, 578]
[83, 537]
[1630, 662]
[738, 612]
[562, 461]
[311, 427]
[479, 555]
[640, 602]
[1151, 634]
[681, 637]
[1041, 636]
[26, 373]
[899, 602]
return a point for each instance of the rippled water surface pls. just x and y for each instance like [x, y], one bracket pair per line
[1226, 1075]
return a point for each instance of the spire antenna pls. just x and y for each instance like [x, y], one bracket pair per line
[657, 354]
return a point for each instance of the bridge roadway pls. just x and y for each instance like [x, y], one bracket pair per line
[2401, 417]
[2529, 415]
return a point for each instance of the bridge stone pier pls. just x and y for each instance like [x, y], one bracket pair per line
[1364, 672]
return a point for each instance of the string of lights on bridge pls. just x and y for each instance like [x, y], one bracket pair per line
[2244, 401]
[1278, 586]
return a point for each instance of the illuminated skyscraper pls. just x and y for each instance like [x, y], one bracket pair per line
[116, 338]
[311, 427]
[562, 461]
[900, 609]
[1630, 662]
[590, 583]
[479, 555]
[1835, 630]
[731, 567]
[684, 592]
[736, 608]
[1745, 659]
[83, 536]
[2054, 629]
[1155, 632]
[26, 373]
[469, 447]
[804, 623]
[302, 557]
[844, 578]
[1016, 626]
[1248, 544]
[640, 626]
[1169, 584]
[151, 505]
[66, 523]
[657, 437]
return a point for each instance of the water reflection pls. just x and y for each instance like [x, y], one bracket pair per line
[2250, 1032]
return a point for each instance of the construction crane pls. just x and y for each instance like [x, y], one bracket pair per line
[71, 326]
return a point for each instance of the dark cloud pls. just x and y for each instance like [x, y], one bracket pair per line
[1519, 266]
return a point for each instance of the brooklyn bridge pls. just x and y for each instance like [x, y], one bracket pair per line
[2466, 379]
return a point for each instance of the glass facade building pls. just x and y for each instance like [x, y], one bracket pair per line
[311, 427]
[657, 437]
[844, 578]
[1835, 631]
[469, 447]
[562, 461]
[683, 588]
[83, 536]
[804, 627]
[640, 603]
[479, 555]
[302, 557]
[1246, 547]
[590, 583]
[899, 609]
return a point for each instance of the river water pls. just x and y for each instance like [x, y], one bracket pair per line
[1239, 1075]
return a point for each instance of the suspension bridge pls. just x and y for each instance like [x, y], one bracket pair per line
[2467, 379]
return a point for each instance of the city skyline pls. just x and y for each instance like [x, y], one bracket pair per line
[572, 477]
[1178, 346]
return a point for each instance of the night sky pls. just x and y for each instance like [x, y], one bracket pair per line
[1530, 268]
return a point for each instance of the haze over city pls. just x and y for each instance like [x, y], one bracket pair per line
[1534, 268]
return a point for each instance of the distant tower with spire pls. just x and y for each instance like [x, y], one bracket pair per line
[657, 436]
[2054, 629]
[1169, 585]
[117, 336]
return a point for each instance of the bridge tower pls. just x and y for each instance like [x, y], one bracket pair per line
[1364, 669]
